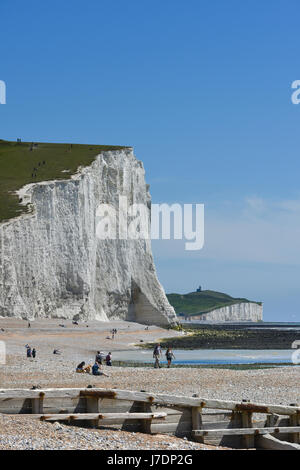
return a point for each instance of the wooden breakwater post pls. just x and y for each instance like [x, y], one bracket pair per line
[197, 418]
[92, 406]
[37, 404]
[295, 421]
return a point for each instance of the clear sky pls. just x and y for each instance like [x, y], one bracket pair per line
[202, 90]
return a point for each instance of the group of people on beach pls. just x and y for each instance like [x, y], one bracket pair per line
[113, 333]
[157, 354]
[100, 358]
[30, 352]
[97, 368]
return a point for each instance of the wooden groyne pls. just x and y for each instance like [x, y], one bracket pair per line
[218, 422]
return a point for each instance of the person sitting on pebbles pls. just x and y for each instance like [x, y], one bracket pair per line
[97, 370]
[83, 369]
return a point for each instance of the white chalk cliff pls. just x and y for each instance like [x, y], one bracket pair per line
[52, 264]
[244, 311]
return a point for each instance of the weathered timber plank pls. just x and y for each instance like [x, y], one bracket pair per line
[119, 406]
[218, 425]
[16, 406]
[172, 400]
[270, 442]
[97, 416]
[245, 431]
[215, 415]
[161, 399]
[160, 428]
[67, 405]
[182, 429]
[152, 398]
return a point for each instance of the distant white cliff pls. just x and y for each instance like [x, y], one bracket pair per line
[53, 265]
[244, 311]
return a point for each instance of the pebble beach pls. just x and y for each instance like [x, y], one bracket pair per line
[280, 385]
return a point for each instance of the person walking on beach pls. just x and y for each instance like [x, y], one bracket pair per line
[169, 356]
[99, 357]
[28, 351]
[33, 353]
[108, 359]
[157, 355]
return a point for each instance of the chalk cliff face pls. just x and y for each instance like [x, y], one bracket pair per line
[52, 264]
[245, 311]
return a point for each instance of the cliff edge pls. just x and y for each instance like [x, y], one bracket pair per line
[208, 305]
[245, 311]
[52, 264]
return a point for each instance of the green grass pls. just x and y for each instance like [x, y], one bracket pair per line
[17, 161]
[197, 303]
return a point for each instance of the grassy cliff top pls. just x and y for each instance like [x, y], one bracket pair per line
[26, 162]
[196, 303]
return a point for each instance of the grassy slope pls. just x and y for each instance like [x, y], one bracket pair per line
[196, 303]
[17, 162]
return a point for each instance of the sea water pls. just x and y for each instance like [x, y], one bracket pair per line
[212, 356]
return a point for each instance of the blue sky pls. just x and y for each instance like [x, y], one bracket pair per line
[202, 90]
